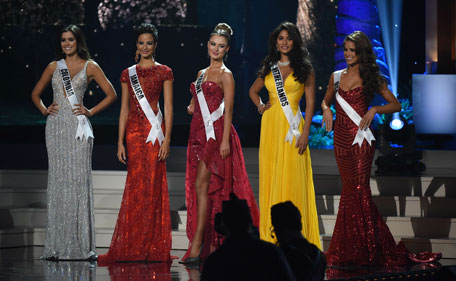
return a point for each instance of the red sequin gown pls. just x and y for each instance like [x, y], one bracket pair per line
[227, 175]
[360, 236]
[143, 228]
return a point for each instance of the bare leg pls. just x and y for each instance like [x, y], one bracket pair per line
[203, 176]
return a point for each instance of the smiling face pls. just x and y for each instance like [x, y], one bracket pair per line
[350, 52]
[68, 43]
[217, 47]
[284, 43]
[146, 45]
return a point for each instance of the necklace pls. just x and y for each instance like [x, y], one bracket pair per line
[283, 63]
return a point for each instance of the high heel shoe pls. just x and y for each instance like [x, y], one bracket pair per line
[423, 257]
[191, 262]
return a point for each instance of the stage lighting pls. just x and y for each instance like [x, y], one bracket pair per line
[396, 124]
[396, 143]
[390, 13]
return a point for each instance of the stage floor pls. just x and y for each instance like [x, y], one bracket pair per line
[24, 264]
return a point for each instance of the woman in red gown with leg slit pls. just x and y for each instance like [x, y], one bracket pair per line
[215, 166]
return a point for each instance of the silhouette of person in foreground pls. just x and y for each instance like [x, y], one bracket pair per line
[243, 256]
[306, 261]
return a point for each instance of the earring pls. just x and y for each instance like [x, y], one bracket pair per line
[225, 58]
[137, 56]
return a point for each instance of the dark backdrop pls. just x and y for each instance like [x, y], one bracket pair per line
[25, 52]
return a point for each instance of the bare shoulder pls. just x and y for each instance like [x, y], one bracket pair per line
[50, 69]
[226, 74]
[199, 72]
[93, 65]
[225, 70]
[93, 68]
[51, 66]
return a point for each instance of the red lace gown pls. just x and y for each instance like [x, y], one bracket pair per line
[360, 236]
[143, 228]
[227, 175]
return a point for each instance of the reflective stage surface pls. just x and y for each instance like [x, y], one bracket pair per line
[24, 264]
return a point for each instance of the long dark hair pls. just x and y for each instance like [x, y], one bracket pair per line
[298, 55]
[81, 46]
[368, 68]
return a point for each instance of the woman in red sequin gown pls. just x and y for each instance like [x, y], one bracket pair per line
[143, 228]
[360, 236]
[215, 167]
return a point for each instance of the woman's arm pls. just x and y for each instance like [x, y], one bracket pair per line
[123, 117]
[191, 106]
[168, 98]
[254, 94]
[95, 72]
[391, 106]
[310, 107]
[228, 94]
[45, 79]
[326, 103]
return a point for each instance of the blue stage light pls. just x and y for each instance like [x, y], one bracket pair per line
[396, 124]
[390, 13]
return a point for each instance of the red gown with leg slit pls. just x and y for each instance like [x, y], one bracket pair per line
[227, 175]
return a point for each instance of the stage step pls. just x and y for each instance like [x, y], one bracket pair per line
[429, 227]
[21, 236]
[418, 209]
[402, 206]
[28, 236]
[446, 246]
[23, 188]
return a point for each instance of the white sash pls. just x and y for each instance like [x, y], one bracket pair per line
[155, 120]
[293, 120]
[84, 129]
[208, 118]
[361, 134]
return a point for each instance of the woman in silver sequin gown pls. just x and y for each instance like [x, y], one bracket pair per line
[70, 233]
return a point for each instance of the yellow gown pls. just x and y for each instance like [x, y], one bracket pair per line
[284, 174]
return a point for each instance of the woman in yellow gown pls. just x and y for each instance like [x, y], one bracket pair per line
[284, 159]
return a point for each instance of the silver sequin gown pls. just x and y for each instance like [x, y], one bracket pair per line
[70, 232]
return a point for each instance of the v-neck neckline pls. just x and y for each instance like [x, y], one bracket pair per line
[71, 78]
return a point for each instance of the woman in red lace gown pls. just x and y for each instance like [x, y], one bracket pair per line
[143, 228]
[360, 236]
[215, 165]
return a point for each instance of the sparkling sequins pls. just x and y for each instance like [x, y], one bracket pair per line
[227, 174]
[70, 232]
[143, 228]
[360, 236]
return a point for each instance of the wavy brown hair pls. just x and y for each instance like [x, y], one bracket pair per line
[298, 55]
[81, 46]
[368, 68]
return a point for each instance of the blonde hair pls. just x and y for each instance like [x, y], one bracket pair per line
[223, 29]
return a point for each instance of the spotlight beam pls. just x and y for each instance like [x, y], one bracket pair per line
[390, 14]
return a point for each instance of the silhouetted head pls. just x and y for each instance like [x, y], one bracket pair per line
[235, 217]
[286, 216]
